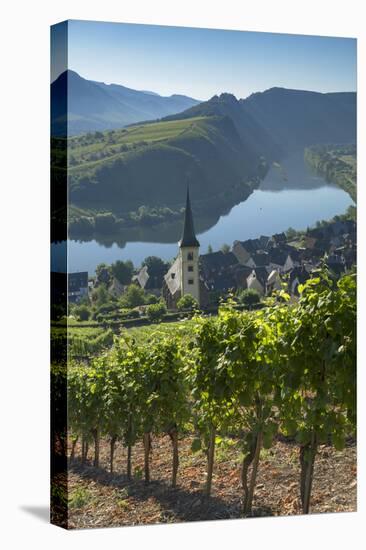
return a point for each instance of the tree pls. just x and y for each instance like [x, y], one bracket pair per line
[156, 312]
[156, 268]
[100, 295]
[225, 248]
[102, 274]
[82, 311]
[249, 297]
[133, 297]
[291, 233]
[122, 271]
[209, 249]
[187, 302]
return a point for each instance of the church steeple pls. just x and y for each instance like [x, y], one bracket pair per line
[188, 237]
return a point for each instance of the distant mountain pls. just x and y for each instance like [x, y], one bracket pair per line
[97, 106]
[296, 118]
[280, 120]
[253, 135]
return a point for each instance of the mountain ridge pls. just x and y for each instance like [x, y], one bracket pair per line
[281, 119]
[96, 106]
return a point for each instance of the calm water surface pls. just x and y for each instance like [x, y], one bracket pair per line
[289, 196]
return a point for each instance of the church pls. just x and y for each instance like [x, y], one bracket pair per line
[183, 276]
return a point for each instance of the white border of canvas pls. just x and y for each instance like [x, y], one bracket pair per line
[24, 272]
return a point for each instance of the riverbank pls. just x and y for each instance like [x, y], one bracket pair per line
[336, 164]
[107, 225]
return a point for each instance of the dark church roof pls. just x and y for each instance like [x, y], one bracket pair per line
[189, 236]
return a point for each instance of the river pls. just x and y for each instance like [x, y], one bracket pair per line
[289, 196]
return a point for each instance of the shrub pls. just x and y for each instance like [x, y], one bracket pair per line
[107, 308]
[129, 313]
[187, 302]
[100, 295]
[151, 299]
[134, 296]
[156, 312]
[79, 497]
[82, 312]
[249, 297]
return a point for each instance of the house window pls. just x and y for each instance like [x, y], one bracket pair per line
[172, 275]
[190, 268]
[190, 281]
[190, 256]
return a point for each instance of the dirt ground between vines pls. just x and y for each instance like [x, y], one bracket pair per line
[101, 499]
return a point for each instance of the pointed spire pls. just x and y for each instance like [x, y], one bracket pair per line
[189, 236]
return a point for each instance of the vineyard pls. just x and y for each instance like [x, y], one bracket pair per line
[79, 342]
[239, 385]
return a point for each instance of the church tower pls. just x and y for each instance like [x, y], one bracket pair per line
[189, 256]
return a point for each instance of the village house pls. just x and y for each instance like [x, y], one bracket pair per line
[217, 270]
[277, 260]
[147, 282]
[257, 280]
[244, 249]
[278, 239]
[77, 286]
[298, 276]
[116, 288]
[274, 282]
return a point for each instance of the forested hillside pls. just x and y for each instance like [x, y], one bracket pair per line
[337, 164]
[285, 120]
[116, 177]
[253, 134]
[136, 166]
[296, 118]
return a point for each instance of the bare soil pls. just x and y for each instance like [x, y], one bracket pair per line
[101, 499]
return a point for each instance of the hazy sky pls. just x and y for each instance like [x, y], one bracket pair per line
[204, 62]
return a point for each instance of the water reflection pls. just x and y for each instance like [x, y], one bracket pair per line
[289, 196]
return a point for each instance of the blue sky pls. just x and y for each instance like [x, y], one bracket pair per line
[204, 62]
